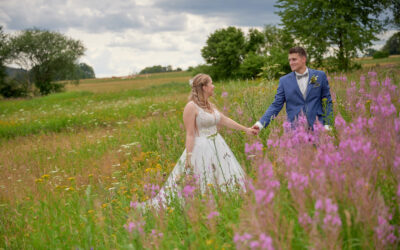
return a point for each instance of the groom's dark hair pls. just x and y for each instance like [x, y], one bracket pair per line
[298, 50]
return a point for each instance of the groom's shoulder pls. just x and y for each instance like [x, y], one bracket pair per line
[285, 77]
[318, 72]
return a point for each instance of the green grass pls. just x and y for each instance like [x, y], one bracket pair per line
[70, 163]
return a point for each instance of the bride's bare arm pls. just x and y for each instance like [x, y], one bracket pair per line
[228, 122]
[189, 119]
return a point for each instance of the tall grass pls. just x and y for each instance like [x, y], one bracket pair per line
[76, 184]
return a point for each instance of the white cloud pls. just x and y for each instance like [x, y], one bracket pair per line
[122, 36]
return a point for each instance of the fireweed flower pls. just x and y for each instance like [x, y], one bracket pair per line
[239, 111]
[188, 190]
[212, 215]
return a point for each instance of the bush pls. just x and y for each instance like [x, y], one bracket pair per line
[251, 65]
[380, 54]
[12, 88]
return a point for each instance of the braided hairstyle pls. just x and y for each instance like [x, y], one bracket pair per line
[197, 94]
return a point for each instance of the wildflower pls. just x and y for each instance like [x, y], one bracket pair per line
[45, 176]
[71, 178]
[39, 180]
[91, 211]
[224, 94]
[104, 205]
[209, 242]
[239, 111]
[212, 215]
[188, 190]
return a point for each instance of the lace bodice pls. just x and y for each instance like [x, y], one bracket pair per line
[206, 122]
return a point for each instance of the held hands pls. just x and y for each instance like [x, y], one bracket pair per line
[256, 129]
[252, 131]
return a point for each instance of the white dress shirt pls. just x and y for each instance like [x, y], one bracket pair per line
[302, 81]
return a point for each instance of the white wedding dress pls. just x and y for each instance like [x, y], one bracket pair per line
[212, 160]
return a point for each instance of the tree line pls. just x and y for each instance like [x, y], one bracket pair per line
[44, 58]
[159, 69]
[332, 32]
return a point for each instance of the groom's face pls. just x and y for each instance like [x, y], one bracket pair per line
[297, 62]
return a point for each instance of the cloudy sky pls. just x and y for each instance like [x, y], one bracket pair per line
[124, 36]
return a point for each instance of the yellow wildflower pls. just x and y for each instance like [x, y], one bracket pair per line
[90, 211]
[39, 180]
[45, 176]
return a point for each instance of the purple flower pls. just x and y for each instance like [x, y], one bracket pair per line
[188, 190]
[224, 94]
[239, 111]
[212, 215]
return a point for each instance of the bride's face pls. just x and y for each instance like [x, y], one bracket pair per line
[209, 89]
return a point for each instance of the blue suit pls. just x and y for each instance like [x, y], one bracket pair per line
[311, 105]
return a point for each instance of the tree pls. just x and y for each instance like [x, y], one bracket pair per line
[254, 42]
[157, 69]
[225, 52]
[392, 45]
[47, 55]
[9, 87]
[394, 5]
[345, 26]
[370, 52]
[85, 71]
[4, 54]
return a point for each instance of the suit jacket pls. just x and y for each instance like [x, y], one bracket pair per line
[289, 92]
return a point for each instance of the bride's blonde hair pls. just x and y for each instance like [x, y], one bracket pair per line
[197, 94]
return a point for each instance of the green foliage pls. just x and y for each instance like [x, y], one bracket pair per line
[158, 69]
[254, 41]
[4, 55]
[394, 6]
[370, 52]
[84, 71]
[347, 26]
[225, 52]
[392, 45]
[252, 65]
[48, 55]
[380, 54]
[230, 54]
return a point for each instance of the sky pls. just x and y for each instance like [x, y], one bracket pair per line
[124, 36]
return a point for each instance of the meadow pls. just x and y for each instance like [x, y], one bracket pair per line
[74, 166]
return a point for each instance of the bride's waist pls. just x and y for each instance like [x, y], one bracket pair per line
[207, 135]
[205, 132]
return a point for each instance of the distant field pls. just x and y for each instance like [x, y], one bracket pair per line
[136, 82]
[370, 62]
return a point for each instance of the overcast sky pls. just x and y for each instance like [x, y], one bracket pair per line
[123, 37]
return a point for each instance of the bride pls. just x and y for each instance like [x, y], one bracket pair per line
[207, 156]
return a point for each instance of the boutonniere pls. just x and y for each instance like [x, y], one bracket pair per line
[314, 81]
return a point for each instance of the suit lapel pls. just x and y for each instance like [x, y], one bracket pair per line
[310, 74]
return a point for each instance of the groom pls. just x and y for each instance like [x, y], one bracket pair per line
[303, 90]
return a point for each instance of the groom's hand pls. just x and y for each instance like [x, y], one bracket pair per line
[255, 129]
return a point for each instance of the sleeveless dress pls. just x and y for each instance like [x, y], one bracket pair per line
[212, 160]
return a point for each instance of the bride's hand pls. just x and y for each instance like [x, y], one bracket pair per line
[251, 131]
[188, 163]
